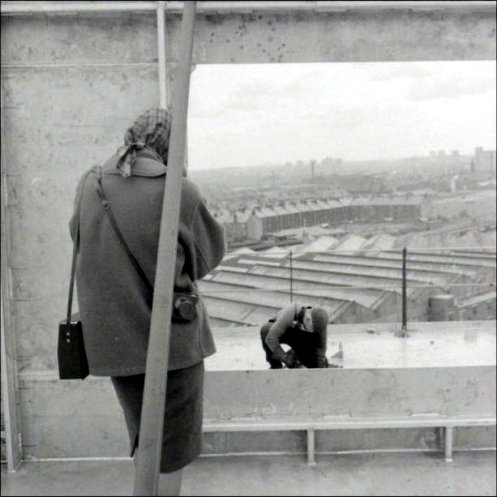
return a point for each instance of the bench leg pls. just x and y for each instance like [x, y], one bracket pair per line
[311, 447]
[449, 437]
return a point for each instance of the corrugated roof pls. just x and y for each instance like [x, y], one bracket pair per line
[242, 250]
[298, 232]
[350, 242]
[313, 205]
[386, 201]
[279, 210]
[350, 275]
[381, 241]
[240, 312]
[328, 279]
[320, 244]
[263, 212]
[265, 297]
[236, 268]
[278, 252]
[395, 264]
[255, 284]
[322, 204]
[452, 259]
[364, 297]
[292, 208]
[477, 299]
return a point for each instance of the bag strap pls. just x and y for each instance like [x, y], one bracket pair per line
[75, 252]
[112, 219]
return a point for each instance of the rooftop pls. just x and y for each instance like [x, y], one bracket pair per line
[374, 345]
[250, 286]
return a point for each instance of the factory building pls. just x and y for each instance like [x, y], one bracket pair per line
[282, 215]
[248, 289]
[484, 162]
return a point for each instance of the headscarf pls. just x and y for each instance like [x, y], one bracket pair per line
[152, 129]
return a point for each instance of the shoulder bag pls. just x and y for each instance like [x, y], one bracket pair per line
[71, 354]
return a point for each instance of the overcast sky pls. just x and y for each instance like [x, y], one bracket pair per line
[243, 115]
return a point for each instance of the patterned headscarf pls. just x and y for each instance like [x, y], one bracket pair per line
[152, 129]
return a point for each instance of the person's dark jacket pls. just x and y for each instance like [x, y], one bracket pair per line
[286, 320]
[113, 300]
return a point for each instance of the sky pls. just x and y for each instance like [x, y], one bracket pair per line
[255, 114]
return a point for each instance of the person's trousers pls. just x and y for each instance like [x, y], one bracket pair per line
[303, 343]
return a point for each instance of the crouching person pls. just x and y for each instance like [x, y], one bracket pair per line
[304, 329]
[115, 294]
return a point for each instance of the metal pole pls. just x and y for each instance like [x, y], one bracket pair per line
[9, 396]
[10, 400]
[291, 277]
[154, 395]
[161, 50]
[449, 438]
[311, 447]
[404, 291]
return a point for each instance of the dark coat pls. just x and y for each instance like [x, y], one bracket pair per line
[113, 300]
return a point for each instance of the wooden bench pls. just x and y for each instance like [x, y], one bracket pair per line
[311, 425]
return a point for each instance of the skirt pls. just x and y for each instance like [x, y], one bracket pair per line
[182, 434]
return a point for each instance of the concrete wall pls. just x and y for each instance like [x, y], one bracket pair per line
[59, 121]
[354, 392]
[345, 36]
[82, 419]
[353, 34]
[441, 367]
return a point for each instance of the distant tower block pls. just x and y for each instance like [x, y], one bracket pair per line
[313, 169]
[440, 307]
[453, 185]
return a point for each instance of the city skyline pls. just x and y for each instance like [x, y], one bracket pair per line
[354, 111]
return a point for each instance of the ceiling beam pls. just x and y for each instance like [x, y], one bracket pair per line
[35, 7]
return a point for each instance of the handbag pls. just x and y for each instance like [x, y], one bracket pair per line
[71, 354]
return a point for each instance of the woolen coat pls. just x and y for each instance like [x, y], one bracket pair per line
[114, 302]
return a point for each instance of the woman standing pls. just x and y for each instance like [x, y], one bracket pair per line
[115, 296]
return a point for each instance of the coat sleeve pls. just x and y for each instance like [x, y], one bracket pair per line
[321, 359]
[208, 242]
[79, 191]
[283, 321]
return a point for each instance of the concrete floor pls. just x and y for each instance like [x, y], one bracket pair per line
[471, 473]
[374, 345]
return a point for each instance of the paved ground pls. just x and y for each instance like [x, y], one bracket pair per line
[471, 473]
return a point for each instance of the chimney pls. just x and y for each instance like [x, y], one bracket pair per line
[306, 238]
